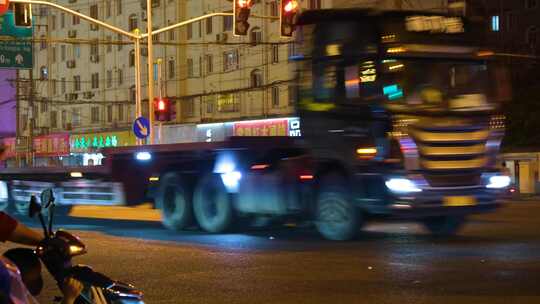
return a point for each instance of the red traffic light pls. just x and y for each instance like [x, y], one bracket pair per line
[244, 3]
[290, 6]
[161, 105]
[289, 10]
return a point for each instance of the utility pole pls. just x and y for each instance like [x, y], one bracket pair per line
[31, 121]
[160, 94]
[150, 70]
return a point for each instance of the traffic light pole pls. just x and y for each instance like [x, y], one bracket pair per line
[160, 96]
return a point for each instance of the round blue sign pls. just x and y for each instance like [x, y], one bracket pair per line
[141, 127]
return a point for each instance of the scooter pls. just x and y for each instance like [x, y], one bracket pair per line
[56, 252]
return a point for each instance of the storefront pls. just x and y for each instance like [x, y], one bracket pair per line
[85, 148]
[49, 150]
[524, 170]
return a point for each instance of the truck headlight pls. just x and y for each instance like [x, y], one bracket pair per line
[498, 182]
[402, 185]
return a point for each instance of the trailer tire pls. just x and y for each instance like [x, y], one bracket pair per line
[173, 201]
[336, 217]
[212, 205]
[444, 226]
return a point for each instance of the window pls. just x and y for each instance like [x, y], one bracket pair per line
[53, 54]
[228, 103]
[109, 78]
[189, 31]
[63, 85]
[43, 73]
[274, 11]
[76, 50]
[120, 45]
[120, 76]
[53, 86]
[63, 52]
[95, 81]
[44, 106]
[109, 113]
[314, 4]
[530, 36]
[255, 36]
[275, 53]
[275, 96]
[118, 7]
[94, 14]
[227, 23]
[94, 114]
[94, 48]
[190, 67]
[43, 44]
[76, 83]
[495, 23]
[530, 3]
[76, 19]
[171, 68]
[209, 64]
[293, 94]
[64, 119]
[62, 20]
[200, 28]
[120, 112]
[230, 60]
[54, 122]
[76, 117]
[132, 22]
[53, 22]
[209, 26]
[210, 104]
[256, 78]
[172, 33]
[109, 44]
[188, 108]
[132, 94]
[132, 58]
[107, 8]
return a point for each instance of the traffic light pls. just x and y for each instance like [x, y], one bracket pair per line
[22, 13]
[289, 10]
[242, 9]
[162, 109]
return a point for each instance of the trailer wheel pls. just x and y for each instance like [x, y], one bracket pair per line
[212, 205]
[444, 226]
[173, 201]
[336, 218]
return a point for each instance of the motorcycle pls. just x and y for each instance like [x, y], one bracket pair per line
[56, 252]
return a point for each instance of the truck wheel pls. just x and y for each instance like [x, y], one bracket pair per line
[444, 226]
[212, 205]
[336, 218]
[173, 201]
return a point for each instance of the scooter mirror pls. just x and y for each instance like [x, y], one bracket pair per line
[35, 208]
[47, 197]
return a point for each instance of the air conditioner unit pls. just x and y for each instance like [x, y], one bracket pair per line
[93, 27]
[71, 96]
[94, 58]
[88, 94]
[70, 64]
[221, 37]
[72, 33]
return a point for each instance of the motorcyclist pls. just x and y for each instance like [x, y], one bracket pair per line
[26, 279]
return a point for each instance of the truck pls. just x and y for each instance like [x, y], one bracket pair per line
[400, 116]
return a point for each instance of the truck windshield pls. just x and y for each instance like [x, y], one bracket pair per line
[435, 85]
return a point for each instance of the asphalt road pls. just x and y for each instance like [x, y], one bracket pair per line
[496, 259]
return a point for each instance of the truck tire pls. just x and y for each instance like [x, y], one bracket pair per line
[212, 205]
[444, 226]
[336, 217]
[173, 201]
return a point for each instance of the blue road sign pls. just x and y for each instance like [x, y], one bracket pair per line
[17, 51]
[141, 127]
